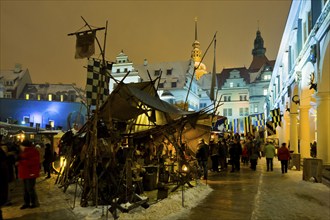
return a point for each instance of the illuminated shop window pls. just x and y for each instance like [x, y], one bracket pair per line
[27, 96]
[61, 98]
[39, 97]
[50, 97]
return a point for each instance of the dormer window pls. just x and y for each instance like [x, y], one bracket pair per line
[157, 72]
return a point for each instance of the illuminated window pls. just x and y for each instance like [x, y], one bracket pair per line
[61, 98]
[265, 91]
[26, 120]
[246, 111]
[50, 97]
[231, 85]
[39, 97]
[51, 123]
[255, 107]
[241, 111]
[27, 96]
[266, 77]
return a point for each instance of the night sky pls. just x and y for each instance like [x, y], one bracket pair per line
[34, 33]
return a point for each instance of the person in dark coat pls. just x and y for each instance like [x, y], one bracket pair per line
[254, 154]
[214, 150]
[235, 153]
[283, 155]
[48, 159]
[28, 171]
[3, 179]
[202, 155]
[223, 154]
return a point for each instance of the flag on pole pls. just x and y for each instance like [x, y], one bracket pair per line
[217, 122]
[228, 125]
[213, 72]
[247, 125]
[276, 117]
[271, 129]
[95, 80]
[260, 121]
[85, 46]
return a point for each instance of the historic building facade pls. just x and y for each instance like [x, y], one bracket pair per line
[300, 82]
[40, 106]
[243, 91]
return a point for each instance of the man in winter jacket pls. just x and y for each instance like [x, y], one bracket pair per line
[28, 171]
[269, 151]
[283, 155]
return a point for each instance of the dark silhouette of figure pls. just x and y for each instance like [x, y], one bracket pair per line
[48, 159]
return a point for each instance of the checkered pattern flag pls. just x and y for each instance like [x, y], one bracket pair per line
[276, 117]
[271, 129]
[96, 79]
[260, 120]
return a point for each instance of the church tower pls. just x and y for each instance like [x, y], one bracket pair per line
[258, 52]
[259, 49]
[196, 55]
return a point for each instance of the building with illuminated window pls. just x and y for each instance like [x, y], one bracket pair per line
[300, 82]
[40, 106]
[243, 91]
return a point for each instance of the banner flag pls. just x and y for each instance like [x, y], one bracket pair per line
[271, 129]
[217, 122]
[96, 79]
[85, 46]
[276, 117]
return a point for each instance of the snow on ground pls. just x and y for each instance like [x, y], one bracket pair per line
[167, 209]
[291, 198]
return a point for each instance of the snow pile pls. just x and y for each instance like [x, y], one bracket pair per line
[169, 208]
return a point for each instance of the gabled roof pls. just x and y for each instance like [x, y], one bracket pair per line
[257, 63]
[225, 74]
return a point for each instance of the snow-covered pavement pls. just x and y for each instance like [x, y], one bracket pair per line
[241, 195]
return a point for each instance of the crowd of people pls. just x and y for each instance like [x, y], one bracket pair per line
[22, 162]
[235, 150]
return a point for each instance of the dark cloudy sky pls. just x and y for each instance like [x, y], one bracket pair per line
[34, 33]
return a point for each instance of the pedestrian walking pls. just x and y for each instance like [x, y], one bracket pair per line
[254, 154]
[283, 155]
[202, 155]
[235, 152]
[214, 150]
[245, 154]
[48, 159]
[270, 153]
[28, 171]
[223, 154]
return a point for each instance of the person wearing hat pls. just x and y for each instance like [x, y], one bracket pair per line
[28, 171]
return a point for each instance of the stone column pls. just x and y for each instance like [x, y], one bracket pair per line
[304, 131]
[323, 127]
[294, 132]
